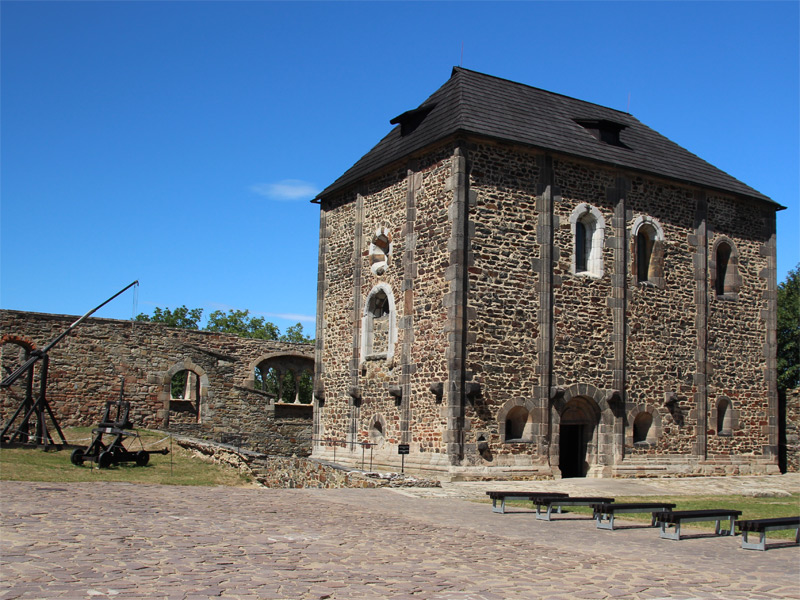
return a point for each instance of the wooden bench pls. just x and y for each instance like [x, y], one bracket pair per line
[674, 518]
[495, 496]
[604, 513]
[762, 526]
[550, 502]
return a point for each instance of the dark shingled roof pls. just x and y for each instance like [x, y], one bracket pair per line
[482, 105]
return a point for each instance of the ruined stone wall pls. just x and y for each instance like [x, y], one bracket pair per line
[88, 366]
[792, 434]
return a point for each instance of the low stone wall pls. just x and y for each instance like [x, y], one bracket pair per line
[297, 472]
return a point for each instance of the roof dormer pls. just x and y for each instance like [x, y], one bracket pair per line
[604, 130]
[411, 119]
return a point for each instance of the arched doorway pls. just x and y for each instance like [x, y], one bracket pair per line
[578, 423]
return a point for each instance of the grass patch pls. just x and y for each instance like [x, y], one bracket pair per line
[752, 508]
[179, 467]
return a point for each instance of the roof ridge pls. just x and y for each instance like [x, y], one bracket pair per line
[538, 89]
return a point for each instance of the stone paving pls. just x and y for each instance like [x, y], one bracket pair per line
[122, 541]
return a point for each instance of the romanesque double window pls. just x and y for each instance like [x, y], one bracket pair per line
[588, 234]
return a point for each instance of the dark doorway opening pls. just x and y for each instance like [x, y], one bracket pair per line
[572, 451]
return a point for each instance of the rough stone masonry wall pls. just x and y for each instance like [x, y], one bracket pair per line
[87, 366]
[383, 208]
[628, 347]
[738, 329]
[503, 279]
[661, 340]
[336, 337]
[429, 347]
[386, 401]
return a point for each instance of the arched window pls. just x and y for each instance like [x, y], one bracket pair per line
[724, 417]
[378, 324]
[581, 243]
[648, 251]
[644, 251]
[588, 230]
[643, 428]
[724, 268]
[517, 424]
[723, 258]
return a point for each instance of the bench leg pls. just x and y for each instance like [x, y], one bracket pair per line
[670, 535]
[604, 521]
[545, 516]
[502, 508]
[718, 527]
[748, 545]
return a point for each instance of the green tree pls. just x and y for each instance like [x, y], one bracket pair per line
[241, 323]
[789, 331]
[238, 322]
[294, 333]
[185, 318]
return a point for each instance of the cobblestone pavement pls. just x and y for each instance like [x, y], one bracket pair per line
[123, 541]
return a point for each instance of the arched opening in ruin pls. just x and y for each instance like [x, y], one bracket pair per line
[184, 393]
[287, 379]
[578, 422]
[184, 396]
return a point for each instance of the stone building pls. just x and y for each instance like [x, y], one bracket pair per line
[200, 383]
[515, 283]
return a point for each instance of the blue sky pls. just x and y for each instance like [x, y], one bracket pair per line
[178, 143]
